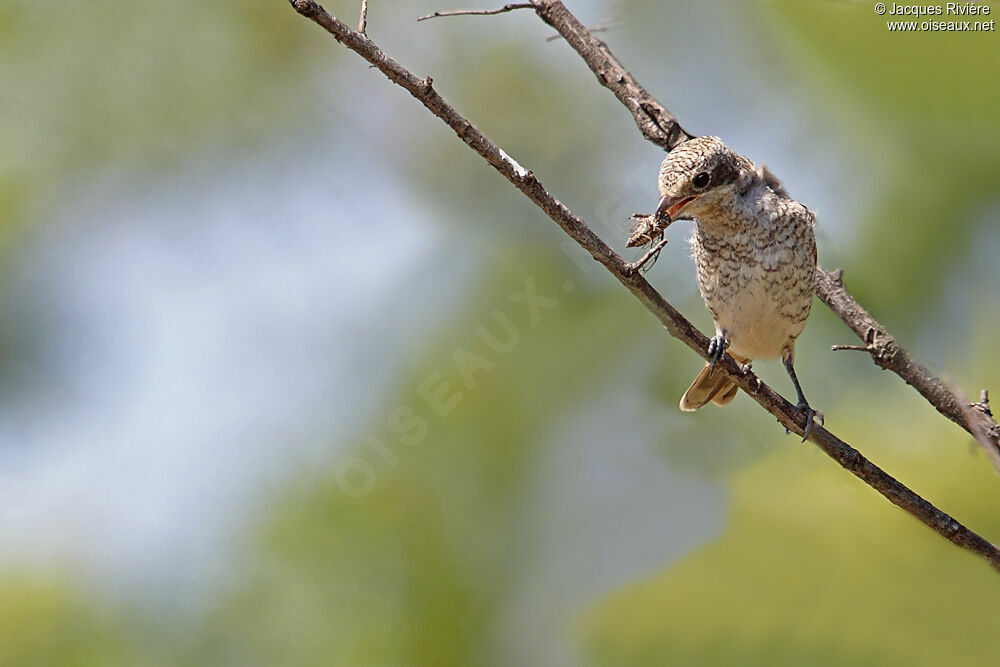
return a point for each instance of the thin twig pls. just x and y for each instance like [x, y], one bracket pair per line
[984, 428]
[984, 403]
[600, 27]
[856, 348]
[787, 414]
[479, 12]
[363, 21]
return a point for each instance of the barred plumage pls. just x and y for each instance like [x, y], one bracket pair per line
[755, 252]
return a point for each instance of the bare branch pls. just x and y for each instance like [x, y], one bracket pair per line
[887, 353]
[479, 12]
[654, 121]
[786, 413]
[363, 21]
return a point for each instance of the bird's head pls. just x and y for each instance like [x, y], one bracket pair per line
[698, 178]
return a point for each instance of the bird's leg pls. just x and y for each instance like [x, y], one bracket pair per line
[717, 349]
[803, 405]
[649, 258]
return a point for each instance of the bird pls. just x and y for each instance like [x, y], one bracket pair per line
[754, 249]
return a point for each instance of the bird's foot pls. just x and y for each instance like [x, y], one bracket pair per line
[716, 350]
[646, 262]
[812, 416]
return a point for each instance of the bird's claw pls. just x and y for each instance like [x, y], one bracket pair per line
[812, 417]
[716, 350]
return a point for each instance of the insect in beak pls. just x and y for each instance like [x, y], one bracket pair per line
[670, 207]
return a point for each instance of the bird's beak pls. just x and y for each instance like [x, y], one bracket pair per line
[670, 207]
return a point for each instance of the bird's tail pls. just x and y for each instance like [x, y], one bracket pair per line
[719, 389]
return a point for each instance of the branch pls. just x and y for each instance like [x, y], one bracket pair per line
[602, 27]
[655, 122]
[525, 181]
[890, 355]
[479, 12]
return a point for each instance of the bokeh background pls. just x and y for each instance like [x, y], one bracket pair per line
[270, 393]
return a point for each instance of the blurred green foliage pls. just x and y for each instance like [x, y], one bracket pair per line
[45, 621]
[811, 568]
[413, 572]
[814, 568]
[103, 85]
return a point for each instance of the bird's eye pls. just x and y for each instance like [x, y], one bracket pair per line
[700, 180]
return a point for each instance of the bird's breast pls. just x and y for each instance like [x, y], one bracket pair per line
[759, 290]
